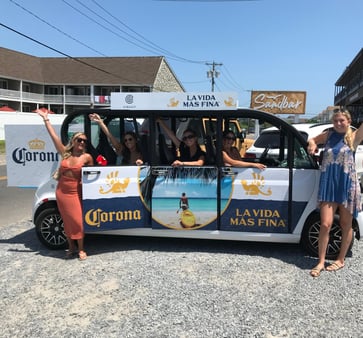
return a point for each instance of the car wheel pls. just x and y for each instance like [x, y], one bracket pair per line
[49, 229]
[310, 237]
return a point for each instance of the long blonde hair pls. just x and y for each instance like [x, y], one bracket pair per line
[69, 147]
[348, 138]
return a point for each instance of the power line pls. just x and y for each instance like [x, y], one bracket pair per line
[150, 43]
[230, 79]
[64, 54]
[141, 44]
[144, 38]
[213, 73]
[56, 28]
[69, 36]
[104, 27]
[78, 41]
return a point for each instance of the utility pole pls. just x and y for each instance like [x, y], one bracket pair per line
[212, 74]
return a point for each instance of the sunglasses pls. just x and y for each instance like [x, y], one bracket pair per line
[232, 138]
[188, 137]
[80, 140]
[128, 139]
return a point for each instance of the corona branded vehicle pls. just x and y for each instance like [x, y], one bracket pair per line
[278, 204]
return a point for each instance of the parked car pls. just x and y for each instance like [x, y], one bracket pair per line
[268, 142]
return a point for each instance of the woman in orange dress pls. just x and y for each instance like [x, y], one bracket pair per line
[69, 188]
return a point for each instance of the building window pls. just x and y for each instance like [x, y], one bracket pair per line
[26, 87]
[53, 90]
[3, 84]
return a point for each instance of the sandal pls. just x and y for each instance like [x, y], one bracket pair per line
[335, 267]
[315, 272]
[82, 255]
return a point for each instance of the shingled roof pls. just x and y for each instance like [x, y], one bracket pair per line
[83, 70]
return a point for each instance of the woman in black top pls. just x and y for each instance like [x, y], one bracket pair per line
[190, 152]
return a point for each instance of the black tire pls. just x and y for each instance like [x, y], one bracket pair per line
[49, 229]
[310, 237]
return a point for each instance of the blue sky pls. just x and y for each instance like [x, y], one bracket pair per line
[301, 45]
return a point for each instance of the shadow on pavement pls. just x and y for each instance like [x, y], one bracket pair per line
[100, 244]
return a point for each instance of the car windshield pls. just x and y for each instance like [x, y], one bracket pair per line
[268, 139]
[271, 139]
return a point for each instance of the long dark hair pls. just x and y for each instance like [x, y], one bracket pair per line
[126, 154]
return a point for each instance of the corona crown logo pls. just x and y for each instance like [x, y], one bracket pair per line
[36, 144]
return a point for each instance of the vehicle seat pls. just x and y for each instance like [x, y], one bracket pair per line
[145, 148]
[165, 154]
[210, 150]
[105, 149]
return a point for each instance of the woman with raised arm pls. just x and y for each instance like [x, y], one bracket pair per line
[190, 152]
[339, 187]
[69, 188]
[128, 151]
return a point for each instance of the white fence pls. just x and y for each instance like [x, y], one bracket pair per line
[25, 118]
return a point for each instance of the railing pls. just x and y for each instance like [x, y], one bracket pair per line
[32, 97]
[9, 94]
[77, 99]
[15, 95]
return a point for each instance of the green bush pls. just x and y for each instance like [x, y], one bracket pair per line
[2, 146]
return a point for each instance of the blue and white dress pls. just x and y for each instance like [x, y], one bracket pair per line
[338, 180]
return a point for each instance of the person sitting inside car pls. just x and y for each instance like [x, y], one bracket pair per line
[231, 155]
[190, 152]
[127, 151]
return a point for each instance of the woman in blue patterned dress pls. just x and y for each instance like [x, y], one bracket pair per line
[339, 187]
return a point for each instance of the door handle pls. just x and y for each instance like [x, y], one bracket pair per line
[228, 172]
[91, 172]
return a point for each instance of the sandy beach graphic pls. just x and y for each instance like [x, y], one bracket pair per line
[171, 219]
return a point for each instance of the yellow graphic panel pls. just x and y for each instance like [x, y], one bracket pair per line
[173, 102]
[256, 186]
[115, 185]
[230, 102]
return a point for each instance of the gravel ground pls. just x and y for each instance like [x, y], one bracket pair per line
[140, 287]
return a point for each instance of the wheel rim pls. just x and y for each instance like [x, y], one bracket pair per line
[52, 230]
[335, 238]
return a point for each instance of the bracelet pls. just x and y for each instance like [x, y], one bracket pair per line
[46, 120]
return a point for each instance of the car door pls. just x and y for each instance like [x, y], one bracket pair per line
[114, 196]
[272, 200]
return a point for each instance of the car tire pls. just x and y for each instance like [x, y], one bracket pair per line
[50, 230]
[310, 237]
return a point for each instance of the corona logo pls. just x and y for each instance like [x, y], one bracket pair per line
[256, 186]
[97, 217]
[173, 102]
[36, 144]
[115, 184]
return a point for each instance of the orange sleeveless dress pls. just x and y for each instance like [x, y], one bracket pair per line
[69, 200]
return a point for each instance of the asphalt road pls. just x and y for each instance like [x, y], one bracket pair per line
[15, 203]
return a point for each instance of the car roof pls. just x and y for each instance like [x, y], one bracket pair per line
[310, 129]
